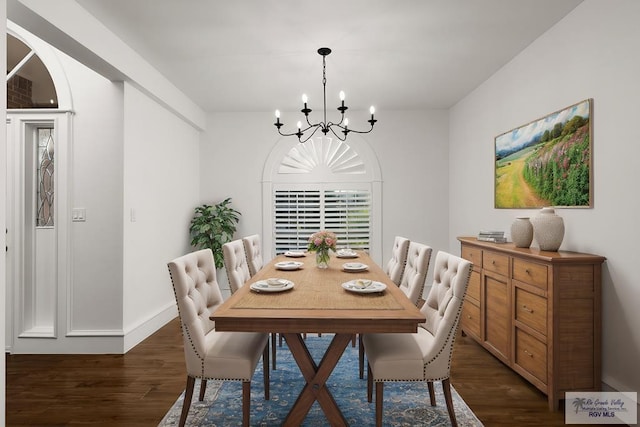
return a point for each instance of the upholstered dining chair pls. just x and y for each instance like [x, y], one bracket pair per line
[412, 284]
[211, 354]
[395, 266]
[236, 264]
[415, 271]
[253, 251]
[425, 355]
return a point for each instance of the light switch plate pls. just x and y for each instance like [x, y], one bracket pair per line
[78, 214]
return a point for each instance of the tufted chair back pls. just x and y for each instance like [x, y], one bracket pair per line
[198, 296]
[235, 263]
[442, 309]
[415, 271]
[254, 253]
[395, 267]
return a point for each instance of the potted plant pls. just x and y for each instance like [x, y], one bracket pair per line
[212, 226]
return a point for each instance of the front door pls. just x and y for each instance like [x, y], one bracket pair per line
[33, 236]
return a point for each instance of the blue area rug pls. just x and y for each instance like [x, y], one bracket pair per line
[405, 404]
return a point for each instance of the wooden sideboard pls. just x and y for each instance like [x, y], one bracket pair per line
[537, 311]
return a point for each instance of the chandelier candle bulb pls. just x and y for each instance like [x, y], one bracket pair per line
[277, 123]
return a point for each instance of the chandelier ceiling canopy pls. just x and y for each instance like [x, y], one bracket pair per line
[306, 131]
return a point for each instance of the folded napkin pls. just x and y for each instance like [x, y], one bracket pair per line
[362, 283]
[277, 283]
[345, 252]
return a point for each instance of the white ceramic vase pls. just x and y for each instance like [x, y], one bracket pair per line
[522, 232]
[548, 229]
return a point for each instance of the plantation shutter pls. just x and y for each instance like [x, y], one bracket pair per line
[297, 215]
[300, 213]
[347, 213]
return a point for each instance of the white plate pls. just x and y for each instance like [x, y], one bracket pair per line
[272, 285]
[294, 254]
[354, 266]
[345, 253]
[355, 286]
[288, 265]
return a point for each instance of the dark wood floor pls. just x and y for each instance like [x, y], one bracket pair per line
[137, 389]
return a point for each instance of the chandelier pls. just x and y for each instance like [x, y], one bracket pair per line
[342, 127]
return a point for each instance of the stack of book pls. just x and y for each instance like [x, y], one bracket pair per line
[492, 236]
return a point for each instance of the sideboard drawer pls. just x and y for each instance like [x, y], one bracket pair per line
[495, 262]
[472, 254]
[473, 289]
[531, 310]
[531, 355]
[470, 320]
[530, 272]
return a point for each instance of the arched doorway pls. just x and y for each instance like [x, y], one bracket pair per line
[38, 155]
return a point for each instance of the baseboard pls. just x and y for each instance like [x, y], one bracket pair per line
[136, 334]
[610, 384]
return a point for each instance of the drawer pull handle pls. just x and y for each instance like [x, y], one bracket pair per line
[528, 272]
[468, 316]
[527, 309]
[493, 262]
[528, 354]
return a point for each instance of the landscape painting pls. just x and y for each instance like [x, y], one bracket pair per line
[546, 162]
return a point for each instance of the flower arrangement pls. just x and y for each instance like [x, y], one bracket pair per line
[320, 243]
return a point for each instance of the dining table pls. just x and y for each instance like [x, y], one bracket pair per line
[291, 296]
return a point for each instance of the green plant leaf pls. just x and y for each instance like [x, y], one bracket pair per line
[212, 226]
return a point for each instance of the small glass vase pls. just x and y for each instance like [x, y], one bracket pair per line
[322, 258]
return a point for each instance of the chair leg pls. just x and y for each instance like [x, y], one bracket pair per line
[280, 339]
[265, 370]
[361, 356]
[203, 389]
[432, 393]
[273, 351]
[353, 340]
[188, 393]
[379, 389]
[246, 402]
[369, 384]
[446, 388]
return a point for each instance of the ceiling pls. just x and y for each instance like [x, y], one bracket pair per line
[259, 55]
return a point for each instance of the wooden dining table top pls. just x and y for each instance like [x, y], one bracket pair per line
[318, 302]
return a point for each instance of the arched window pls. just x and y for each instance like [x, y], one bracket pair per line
[29, 84]
[322, 184]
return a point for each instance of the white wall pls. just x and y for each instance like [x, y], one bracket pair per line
[592, 53]
[161, 188]
[411, 147]
[3, 207]
[96, 176]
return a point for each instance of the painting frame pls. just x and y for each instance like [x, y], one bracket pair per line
[547, 162]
